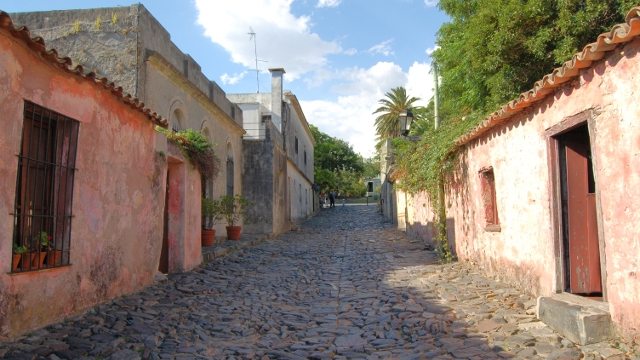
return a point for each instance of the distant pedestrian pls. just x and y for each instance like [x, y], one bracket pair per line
[332, 200]
[344, 201]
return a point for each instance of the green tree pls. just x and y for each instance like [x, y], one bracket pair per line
[335, 154]
[337, 166]
[387, 124]
[372, 167]
[492, 50]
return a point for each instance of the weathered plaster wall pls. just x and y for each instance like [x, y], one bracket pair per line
[296, 127]
[257, 185]
[264, 171]
[617, 152]
[523, 252]
[281, 196]
[184, 221]
[118, 195]
[301, 194]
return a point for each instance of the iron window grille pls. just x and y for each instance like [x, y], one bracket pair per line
[44, 189]
[230, 177]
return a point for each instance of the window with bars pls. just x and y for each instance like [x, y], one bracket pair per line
[44, 190]
[488, 186]
[230, 177]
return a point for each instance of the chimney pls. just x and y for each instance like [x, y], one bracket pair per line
[276, 96]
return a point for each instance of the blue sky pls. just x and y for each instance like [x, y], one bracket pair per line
[340, 56]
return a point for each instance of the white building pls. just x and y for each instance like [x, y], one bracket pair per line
[278, 146]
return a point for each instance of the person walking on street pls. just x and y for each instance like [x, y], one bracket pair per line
[332, 200]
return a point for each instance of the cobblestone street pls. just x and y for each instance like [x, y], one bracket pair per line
[346, 285]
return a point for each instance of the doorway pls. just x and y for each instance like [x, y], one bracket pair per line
[163, 266]
[173, 238]
[579, 220]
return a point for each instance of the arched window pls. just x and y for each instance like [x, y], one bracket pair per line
[230, 169]
[177, 120]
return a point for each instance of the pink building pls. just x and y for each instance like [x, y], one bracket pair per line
[97, 196]
[549, 192]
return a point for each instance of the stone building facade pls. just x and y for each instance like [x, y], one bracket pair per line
[129, 46]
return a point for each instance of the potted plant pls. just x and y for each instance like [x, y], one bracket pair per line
[18, 251]
[210, 216]
[42, 243]
[233, 208]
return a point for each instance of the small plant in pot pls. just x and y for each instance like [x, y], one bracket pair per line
[18, 251]
[233, 209]
[42, 243]
[211, 215]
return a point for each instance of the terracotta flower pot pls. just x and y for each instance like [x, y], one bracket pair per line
[26, 261]
[208, 237]
[233, 232]
[16, 262]
[53, 257]
[37, 259]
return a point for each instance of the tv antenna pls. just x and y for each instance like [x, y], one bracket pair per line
[255, 46]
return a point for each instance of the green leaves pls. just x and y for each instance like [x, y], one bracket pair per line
[387, 123]
[493, 50]
[337, 166]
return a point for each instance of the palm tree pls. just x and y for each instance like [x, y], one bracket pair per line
[387, 124]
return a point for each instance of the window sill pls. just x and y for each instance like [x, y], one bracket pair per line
[492, 228]
[38, 271]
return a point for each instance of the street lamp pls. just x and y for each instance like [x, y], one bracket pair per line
[406, 118]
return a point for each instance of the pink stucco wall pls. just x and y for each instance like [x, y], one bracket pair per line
[185, 196]
[523, 251]
[118, 196]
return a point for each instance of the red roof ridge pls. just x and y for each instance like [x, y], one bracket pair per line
[51, 56]
[620, 33]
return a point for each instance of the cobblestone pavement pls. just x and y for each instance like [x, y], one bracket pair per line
[345, 285]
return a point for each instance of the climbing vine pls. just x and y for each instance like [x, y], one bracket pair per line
[197, 149]
[428, 165]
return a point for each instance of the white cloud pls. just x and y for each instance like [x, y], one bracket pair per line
[328, 3]
[351, 117]
[283, 39]
[431, 3]
[351, 51]
[420, 83]
[430, 51]
[382, 48]
[227, 79]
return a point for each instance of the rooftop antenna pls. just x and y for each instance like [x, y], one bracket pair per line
[255, 46]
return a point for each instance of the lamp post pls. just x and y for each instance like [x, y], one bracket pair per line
[406, 118]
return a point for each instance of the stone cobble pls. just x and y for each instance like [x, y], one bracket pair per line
[345, 286]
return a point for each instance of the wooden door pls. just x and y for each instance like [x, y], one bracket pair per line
[163, 266]
[581, 220]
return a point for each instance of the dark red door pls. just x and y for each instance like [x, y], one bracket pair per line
[584, 255]
[163, 266]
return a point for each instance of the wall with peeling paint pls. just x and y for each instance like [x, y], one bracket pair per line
[118, 194]
[523, 251]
